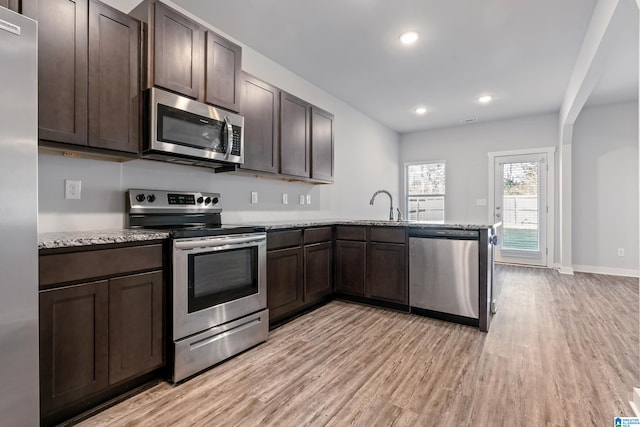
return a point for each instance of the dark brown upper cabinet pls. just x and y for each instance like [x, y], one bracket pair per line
[177, 47]
[114, 79]
[88, 74]
[223, 72]
[295, 144]
[261, 111]
[189, 59]
[62, 68]
[321, 145]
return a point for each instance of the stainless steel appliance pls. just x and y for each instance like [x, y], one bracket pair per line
[218, 273]
[444, 276]
[19, 388]
[186, 131]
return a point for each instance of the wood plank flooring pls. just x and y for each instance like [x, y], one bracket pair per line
[561, 351]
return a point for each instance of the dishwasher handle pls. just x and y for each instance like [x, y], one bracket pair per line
[451, 234]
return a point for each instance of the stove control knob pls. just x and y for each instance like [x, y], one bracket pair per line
[151, 198]
[140, 197]
[200, 199]
[215, 200]
[207, 200]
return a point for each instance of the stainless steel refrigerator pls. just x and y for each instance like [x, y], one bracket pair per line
[19, 383]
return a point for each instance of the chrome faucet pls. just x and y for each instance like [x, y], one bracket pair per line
[390, 199]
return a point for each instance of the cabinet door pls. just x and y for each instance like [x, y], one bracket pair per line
[351, 267]
[317, 271]
[261, 111]
[62, 68]
[135, 325]
[387, 266]
[321, 145]
[178, 45]
[294, 136]
[284, 282]
[222, 72]
[73, 344]
[114, 76]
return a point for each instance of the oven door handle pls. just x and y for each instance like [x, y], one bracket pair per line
[212, 243]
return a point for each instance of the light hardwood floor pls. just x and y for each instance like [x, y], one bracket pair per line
[561, 351]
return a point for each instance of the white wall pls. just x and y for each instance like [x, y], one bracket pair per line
[605, 189]
[465, 148]
[366, 160]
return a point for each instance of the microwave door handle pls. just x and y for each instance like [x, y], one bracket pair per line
[229, 128]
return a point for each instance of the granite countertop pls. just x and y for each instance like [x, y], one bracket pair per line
[279, 225]
[55, 240]
[67, 239]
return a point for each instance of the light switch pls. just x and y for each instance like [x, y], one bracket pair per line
[308, 199]
[285, 198]
[481, 202]
[302, 198]
[254, 197]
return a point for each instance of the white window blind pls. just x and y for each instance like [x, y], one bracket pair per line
[426, 192]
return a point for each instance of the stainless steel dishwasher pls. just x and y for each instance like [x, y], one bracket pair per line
[444, 274]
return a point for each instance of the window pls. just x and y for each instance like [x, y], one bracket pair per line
[425, 191]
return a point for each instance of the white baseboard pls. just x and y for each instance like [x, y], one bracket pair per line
[635, 403]
[627, 272]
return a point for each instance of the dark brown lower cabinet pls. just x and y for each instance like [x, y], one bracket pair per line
[284, 282]
[318, 260]
[97, 339]
[73, 343]
[351, 264]
[135, 325]
[387, 267]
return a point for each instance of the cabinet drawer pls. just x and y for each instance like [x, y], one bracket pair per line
[283, 239]
[76, 266]
[351, 233]
[315, 235]
[387, 234]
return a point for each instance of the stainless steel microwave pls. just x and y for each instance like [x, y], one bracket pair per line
[189, 132]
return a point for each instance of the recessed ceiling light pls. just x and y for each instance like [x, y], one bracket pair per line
[410, 37]
[485, 99]
[421, 110]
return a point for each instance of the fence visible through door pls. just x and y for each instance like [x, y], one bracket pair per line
[520, 203]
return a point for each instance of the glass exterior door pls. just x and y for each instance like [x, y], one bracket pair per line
[521, 206]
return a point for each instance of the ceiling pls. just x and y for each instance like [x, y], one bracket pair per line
[520, 52]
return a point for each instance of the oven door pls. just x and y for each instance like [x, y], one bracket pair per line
[217, 280]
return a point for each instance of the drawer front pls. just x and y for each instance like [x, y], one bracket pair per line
[351, 233]
[86, 265]
[316, 235]
[283, 239]
[387, 234]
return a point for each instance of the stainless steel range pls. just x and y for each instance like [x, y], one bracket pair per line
[219, 295]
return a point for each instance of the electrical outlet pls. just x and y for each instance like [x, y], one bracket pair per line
[308, 199]
[620, 251]
[254, 197]
[72, 189]
[302, 198]
[285, 198]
